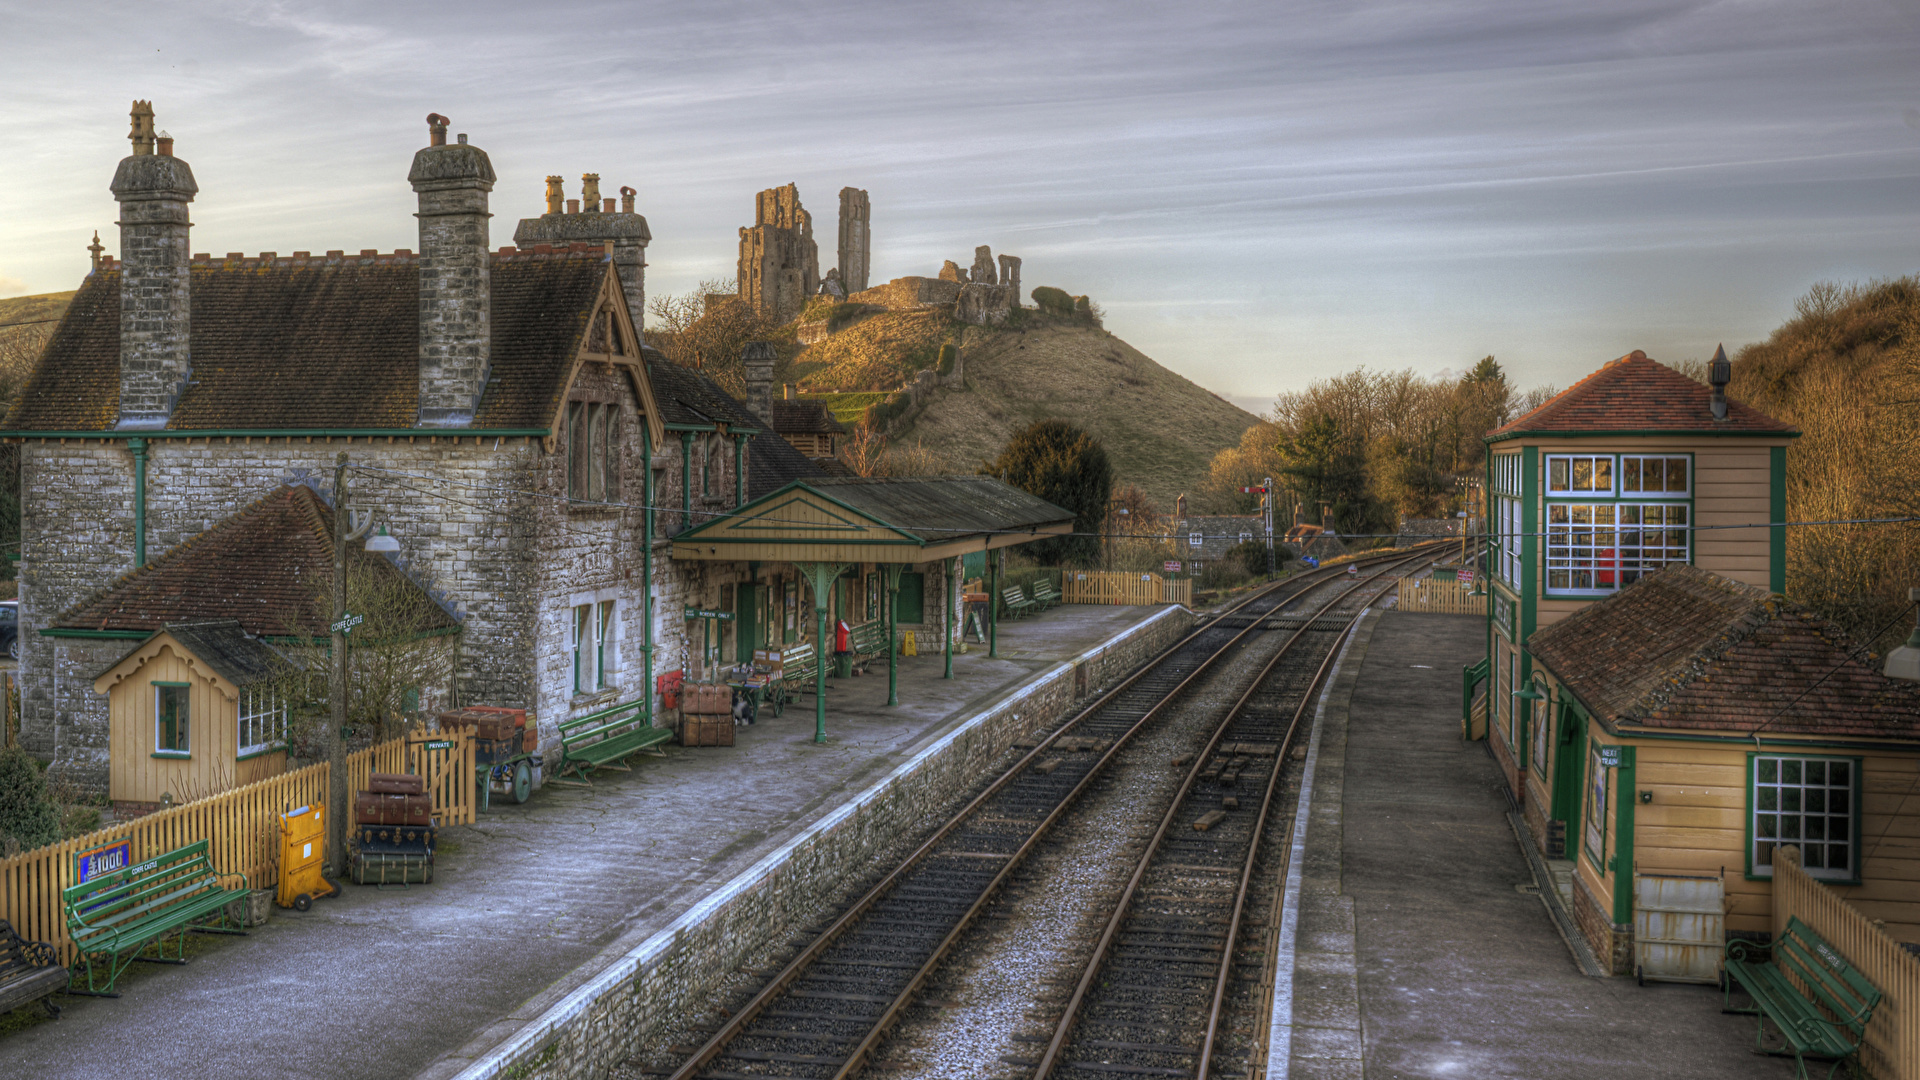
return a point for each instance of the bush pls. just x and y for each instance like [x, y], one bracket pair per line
[29, 818]
[1252, 557]
[1053, 301]
[1067, 467]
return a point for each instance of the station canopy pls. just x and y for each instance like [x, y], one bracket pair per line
[873, 519]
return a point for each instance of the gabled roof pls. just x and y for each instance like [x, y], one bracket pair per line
[322, 343]
[1686, 648]
[1635, 394]
[804, 418]
[267, 567]
[688, 397]
[773, 463]
[226, 647]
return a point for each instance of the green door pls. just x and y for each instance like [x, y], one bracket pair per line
[1569, 758]
[911, 605]
[746, 620]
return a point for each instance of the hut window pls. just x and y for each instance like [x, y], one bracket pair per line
[592, 646]
[1580, 474]
[170, 719]
[1599, 547]
[1808, 801]
[1651, 475]
[593, 452]
[263, 721]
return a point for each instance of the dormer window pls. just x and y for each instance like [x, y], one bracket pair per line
[593, 452]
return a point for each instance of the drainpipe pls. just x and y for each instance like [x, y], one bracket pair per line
[686, 480]
[139, 448]
[739, 470]
[646, 567]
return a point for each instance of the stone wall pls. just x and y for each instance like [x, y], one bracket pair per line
[909, 294]
[610, 1016]
[1612, 943]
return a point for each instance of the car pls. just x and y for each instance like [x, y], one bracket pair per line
[10, 628]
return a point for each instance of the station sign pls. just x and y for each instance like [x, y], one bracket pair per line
[105, 859]
[1611, 756]
[702, 613]
[1172, 566]
[346, 625]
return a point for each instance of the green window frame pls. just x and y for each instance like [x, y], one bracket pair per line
[172, 719]
[1611, 518]
[602, 635]
[1810, 800]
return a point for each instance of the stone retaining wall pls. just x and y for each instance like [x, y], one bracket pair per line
[609, 1017]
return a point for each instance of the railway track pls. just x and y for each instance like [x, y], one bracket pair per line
[824, 1013]
[1151, 997]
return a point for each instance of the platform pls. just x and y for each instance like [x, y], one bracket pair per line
[533, 900]
[1418, 943]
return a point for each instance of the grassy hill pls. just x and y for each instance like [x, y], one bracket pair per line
[37, 313]
[1160, 429]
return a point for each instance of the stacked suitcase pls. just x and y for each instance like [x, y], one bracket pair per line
[393, 831]
[706, 715]
[499, 734]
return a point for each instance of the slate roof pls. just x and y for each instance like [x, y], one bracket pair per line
[226, 647]
[686, 396]
[320, 343]
[1686, 648]
[267, 567]
[1634, 393]
[937, 508]
[804, 418]
[1219, 534]
[773, 463]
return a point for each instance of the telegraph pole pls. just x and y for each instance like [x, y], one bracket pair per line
[337, 680]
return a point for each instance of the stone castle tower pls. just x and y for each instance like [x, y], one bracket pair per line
[153, 188]
[856, 256]
[779, 262]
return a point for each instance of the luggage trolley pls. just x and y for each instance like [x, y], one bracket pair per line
[503, 749]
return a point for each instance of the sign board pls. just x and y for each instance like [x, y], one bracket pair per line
[702, 613]
[1173, 566]
[1253, 491]
[440, 744]
[346, 625]
[105, 859]
[1464, 576]
[1610, 756]
[1503, 614]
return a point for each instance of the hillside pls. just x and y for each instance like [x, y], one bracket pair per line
[1160, 430]
[28, 314]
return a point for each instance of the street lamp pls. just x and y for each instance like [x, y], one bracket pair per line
[382, 543]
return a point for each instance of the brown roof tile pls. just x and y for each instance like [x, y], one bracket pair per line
[804, 418]
[320, 343]
[267, 566]
[1686, 648]
[1634, 393]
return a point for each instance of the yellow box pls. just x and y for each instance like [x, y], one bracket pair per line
[303, 850]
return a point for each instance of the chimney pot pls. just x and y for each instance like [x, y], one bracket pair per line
[163, 143]
[573, 206]
[336, 254]
[437, 129]
[236, 254]
[368, 253]
[462, 137]
[556, 195]
[626, 200]
[590, 192]
[606, 206]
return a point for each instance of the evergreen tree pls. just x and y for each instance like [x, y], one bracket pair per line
[1064, 465]
[28, 818]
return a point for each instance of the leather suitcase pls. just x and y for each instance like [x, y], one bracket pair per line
[376, 868]
[382, 783]
[374, 809]
[494, 751]
[706, 730]
[530, 741]
[414, 839]
[487, 722]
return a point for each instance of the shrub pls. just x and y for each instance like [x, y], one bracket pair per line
[1067, 467]
[1053, 301]
[949, 355]
[28, 817]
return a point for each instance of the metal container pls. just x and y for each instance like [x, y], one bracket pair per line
[1679, 928]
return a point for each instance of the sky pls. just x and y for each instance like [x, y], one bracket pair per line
[1258, 194]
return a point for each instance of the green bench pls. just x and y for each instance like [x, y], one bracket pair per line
[1014, 602]
[1045, 594]
[29, 971]
[603, 739]
[1826, 1019]
[113, 918]
[870, 641]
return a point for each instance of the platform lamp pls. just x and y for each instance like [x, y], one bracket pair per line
[1529, 695]
[1904, 662]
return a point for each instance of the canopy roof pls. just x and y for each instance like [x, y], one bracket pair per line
[876, 519]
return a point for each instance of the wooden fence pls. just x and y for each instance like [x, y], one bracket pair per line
[1892, 1049]
[1122, 587]
[1439, 596]
[242, 827]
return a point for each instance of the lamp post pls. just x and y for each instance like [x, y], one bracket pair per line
[344, 529]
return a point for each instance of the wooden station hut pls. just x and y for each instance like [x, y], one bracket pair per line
[1690, 725]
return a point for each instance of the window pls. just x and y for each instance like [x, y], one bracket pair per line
[1599, 547]
[263, 721]
[170, 718]
[1506, 475]
[592, 646]
[1809, 801]
[1596, 816]
[1513, 711]
[1195, 540]
[593, 452]
[1246, 537]
[1512, 530]
[1542, 741]
[1653, 475]
[1580, 474]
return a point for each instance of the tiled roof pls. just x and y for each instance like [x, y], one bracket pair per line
[226, 647]
[1686, 648]
[1219, 534]
[268, 566]
[938, 508]
[318, 343]
[687, 396]
[1634, 393]
[804, 418]
[773, 463]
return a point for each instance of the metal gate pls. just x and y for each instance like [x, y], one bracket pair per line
[1679, 928]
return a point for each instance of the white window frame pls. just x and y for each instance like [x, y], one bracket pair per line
[262, 724]
[1196, 539]
[1511, 531]
[1608, 550]
[1636, 464]
[1572, 463]
[1770, 827]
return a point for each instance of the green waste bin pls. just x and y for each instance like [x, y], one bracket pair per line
[842, 665]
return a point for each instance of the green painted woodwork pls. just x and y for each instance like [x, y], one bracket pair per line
[747, 598]
[1625, 797]
[1638, 433]
[820, 577]
[646, 579]
[113, 635]
[893, 643]
[139, 448]
[911, 605]
[686, 480]
[739, 470]
[292, 433]
[1529, 545]
[1777, 511]
[1568, 764]
[993, 621]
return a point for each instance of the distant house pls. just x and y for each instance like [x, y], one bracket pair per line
[808, 425]
[1202, 540]
[1690, 724]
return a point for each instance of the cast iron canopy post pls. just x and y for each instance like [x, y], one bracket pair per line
[821, 576]
[993, 603]
[686, 481]
[893, 627]
[948, 595]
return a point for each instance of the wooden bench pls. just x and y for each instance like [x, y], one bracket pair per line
[798, 662]
[1045, 594]
[29, 971]
[1826, 1019]
[1014, 602]
[603, 739]
[114, 917]
[870, 641]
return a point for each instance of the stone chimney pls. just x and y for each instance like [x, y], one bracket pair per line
[756, 358]
[1326, 520]
[455, 276]
[155, 300]
[591, 219]
[1180, 506]
[556, 194]
[1719, 374]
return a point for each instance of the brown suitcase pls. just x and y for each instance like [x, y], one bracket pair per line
[487, 722]
[371, 808]
[386, 783]
[530, 741]
[700, 729]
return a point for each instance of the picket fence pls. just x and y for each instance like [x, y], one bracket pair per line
[1438, 596]
[1121, 587]
[1892, 1048]
[242, 828]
